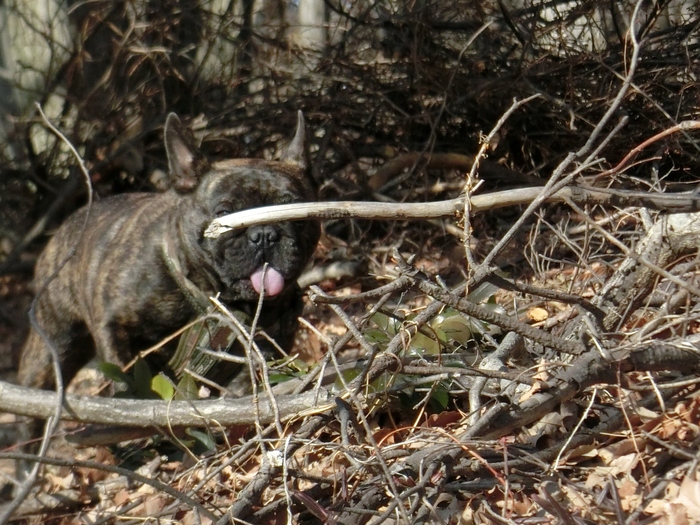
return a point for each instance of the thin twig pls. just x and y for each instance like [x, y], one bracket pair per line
[681, 126]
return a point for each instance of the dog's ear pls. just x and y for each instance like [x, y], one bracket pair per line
[296, 151]
[186, 163]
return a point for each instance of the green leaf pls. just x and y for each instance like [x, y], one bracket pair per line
[142, 380]
[276, 378]
[163, 386]
[114, 373]
[424, 345]
[203, 438]
[386, 323]
[455, 327]
[187, 388]
[347, 376]
[376, 336]
[382, 383]
[440, 397]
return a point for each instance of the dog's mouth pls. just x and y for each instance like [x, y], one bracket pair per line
[269, 278]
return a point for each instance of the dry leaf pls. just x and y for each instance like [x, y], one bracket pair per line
[190, 518]
[630, 497]
[59, 482]
[152, 506]
[667, 513]
[443, 419]
[537, 314]
[689, 497]
[535, 388]
[595, 480]
[121, 497]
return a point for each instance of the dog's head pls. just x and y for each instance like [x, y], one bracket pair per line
[235, 260]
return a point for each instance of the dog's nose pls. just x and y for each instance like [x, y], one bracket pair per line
[263, 236]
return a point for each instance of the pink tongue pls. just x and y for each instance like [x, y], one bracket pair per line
[274, 282]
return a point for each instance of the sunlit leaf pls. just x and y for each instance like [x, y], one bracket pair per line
[114, 373]
[454, 327]
[186, 388]
[163, 386]
[386, 323]
[424, 345]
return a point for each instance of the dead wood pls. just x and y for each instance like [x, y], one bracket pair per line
[527, 353]
[453, 208]
[670, 238]
[146, 413]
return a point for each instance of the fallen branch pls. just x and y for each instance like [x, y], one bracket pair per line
[504, 322]
[669, 238]
[147, 413]
[453, 208]
[589, 369]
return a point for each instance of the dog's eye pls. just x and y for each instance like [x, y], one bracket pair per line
[220, 211]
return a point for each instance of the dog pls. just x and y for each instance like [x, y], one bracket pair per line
[118, 277]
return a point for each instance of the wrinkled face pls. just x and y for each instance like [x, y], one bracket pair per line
[237, 257]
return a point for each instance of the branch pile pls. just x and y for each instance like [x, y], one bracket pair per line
[534, 357]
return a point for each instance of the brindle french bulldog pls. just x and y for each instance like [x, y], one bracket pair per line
[121, 279]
